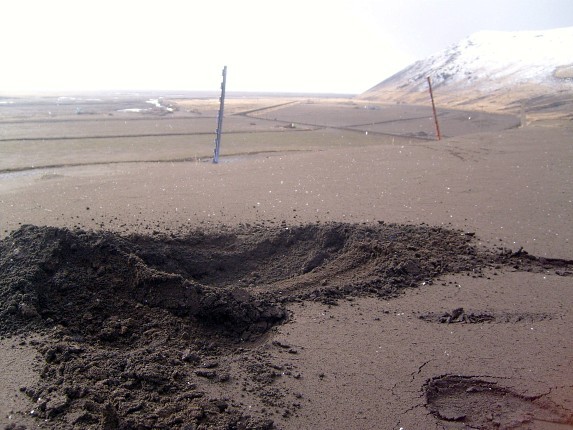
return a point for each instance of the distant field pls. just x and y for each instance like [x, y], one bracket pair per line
[401, 120]
[59, 131]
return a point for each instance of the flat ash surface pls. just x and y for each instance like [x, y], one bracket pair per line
[337, 269]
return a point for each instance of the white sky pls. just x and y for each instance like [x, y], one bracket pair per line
[334, 46]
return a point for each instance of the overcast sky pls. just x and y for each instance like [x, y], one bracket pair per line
[333, 46]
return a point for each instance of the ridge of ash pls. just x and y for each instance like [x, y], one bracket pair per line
[233, 280]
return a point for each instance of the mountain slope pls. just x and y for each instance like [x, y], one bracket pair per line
[506, 66]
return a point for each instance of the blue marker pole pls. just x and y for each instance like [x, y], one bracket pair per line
[220, 118]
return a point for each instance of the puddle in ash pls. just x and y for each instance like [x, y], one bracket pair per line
[480, 404]
[136, 326]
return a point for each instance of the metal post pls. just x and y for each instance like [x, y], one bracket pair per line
[438, 134]
[220, 118]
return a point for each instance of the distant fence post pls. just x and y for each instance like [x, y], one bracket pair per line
[438, 134]
[220, 118]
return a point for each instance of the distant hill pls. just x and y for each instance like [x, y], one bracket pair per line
[492, 70]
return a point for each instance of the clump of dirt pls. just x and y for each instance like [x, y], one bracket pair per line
[460, 315]
[126, 343]
[83, 280]
[482, 404]
[136, 327]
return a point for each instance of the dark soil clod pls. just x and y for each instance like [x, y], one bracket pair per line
[460, 315]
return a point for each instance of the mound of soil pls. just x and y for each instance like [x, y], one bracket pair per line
[134, 325]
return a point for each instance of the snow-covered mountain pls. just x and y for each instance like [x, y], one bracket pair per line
[488, 62]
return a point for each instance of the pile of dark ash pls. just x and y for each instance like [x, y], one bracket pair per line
[133, 325]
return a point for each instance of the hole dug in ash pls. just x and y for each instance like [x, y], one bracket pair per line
[480, 404]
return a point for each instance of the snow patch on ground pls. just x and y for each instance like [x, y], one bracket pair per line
[134, 110]
[157, 103]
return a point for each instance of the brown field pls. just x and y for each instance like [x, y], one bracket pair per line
[60, 132]
[339, 268]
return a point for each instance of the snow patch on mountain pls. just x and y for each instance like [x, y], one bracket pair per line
[489, 60]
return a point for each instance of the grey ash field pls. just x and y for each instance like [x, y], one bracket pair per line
[339, 268]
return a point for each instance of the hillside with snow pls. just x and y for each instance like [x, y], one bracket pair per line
[489, 66]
